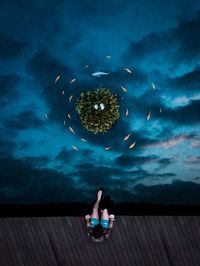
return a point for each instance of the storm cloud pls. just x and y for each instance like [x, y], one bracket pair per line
[42, 40]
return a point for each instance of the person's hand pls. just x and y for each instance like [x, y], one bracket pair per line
[87, 217]
[112, 217]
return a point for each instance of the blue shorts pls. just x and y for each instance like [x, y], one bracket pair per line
[95, 221]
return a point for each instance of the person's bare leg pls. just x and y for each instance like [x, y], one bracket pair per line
[104, 215]
[96, 206]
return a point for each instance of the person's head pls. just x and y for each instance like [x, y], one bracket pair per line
[98, 233]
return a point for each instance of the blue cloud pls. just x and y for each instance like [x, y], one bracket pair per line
[159, 42]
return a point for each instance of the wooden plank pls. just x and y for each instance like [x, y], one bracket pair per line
[122, 244]
[77, 239]
[61, 247]
[152, 241]
[182, 224]
[191, 234]
[65, 243]
[3, 249]
[33, 240]
[134, 234]
[8, 249]
[24, 238]
[177, 245]
[74, 241]
[44, 232]
[32, 249]
[118, 227]
[164, 242]
[143, 242]
[55, 242]
[16, 237]
[197, 226]
[168, 241]
[194, 234]
[134, 241]
[147, 239]
[130, 247]
[154, 229]
[67, 226]
[186, 243]
[164, 249]
[131, 252]
[39, 241]
[30, 238]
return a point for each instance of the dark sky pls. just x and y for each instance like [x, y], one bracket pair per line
[159, 41]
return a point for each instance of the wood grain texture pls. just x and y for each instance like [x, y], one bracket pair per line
[135, 240]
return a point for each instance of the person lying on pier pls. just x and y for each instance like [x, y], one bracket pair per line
[98, 232]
